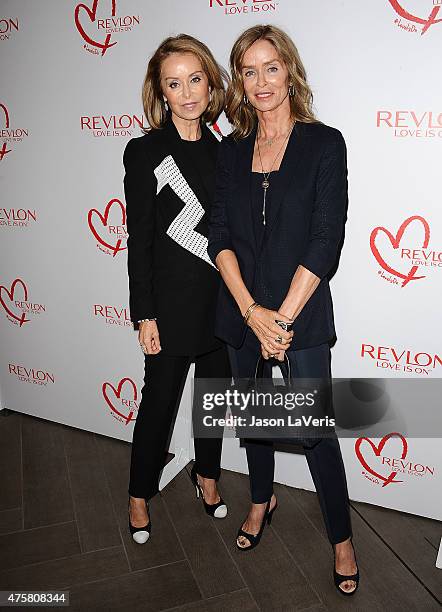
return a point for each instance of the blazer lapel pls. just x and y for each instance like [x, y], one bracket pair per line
[287, 170]
[244, 174]
[211, 147]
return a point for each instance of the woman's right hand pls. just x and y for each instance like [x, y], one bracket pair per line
[149, 338]
[262, 322]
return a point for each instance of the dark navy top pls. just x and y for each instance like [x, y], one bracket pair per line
[257, 203]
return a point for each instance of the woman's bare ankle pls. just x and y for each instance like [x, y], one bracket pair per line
[137, 501]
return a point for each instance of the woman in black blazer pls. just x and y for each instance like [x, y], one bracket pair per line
[275, 230]
[173, 284]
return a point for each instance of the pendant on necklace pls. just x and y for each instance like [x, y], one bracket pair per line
[265, 185]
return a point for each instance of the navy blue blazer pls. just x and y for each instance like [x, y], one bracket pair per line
[305, 228]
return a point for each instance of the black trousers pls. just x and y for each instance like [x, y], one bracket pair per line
[164, 380]
[324, 458]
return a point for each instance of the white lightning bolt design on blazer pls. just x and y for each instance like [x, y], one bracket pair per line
[182, 228]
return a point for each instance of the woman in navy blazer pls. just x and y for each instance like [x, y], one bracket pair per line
[275, 230]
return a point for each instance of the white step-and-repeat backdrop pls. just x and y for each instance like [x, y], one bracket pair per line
[69, 102]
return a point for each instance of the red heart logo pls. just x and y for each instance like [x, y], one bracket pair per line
[377, 451]
[395, 240]
[22, 318]
[92, 14]
[407, 15]
[104, 219]
[117, 393]
[4, 150]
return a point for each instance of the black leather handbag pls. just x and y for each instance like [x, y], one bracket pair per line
[295, 435]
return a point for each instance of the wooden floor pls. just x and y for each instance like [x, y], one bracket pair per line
[63, 525]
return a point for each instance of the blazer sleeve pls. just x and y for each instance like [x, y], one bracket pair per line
[219, 235]
[329, 209]
[140, 191]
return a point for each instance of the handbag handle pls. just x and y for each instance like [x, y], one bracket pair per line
[260, 368]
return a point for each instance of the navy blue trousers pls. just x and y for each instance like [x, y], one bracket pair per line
[324, 458]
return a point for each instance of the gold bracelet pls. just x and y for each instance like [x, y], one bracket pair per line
[249, 311]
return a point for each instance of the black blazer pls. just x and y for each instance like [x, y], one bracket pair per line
[305, 227]
[169, 193]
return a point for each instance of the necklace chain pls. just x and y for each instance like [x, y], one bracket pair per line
[266, 183]
[269, 141]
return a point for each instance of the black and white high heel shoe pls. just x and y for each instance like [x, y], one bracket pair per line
[218, 510]
[140, 535]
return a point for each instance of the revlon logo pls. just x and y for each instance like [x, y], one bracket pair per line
[17, 217]
[401, 360]
[31, 375]
[410, 467]
[382, 469]
[410, 123]
[7, 133]
[112, 125]
[404, 263]
[15, 301]
[122, 400]
[423, 257]
[109, 229]
[118, 24]
[373, 451]
[7, 301]
[97, 30]
[112, 315]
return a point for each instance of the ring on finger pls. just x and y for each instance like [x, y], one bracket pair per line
[278, 339]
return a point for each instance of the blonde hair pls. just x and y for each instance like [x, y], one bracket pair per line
[152, 95]
[243, 116]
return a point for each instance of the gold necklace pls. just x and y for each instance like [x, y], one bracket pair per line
[266, 183]
[270, 141]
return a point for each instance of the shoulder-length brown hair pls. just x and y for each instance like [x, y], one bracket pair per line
[153, 99]
[243, 116]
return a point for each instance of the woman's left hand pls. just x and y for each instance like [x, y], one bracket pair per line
[273, 338]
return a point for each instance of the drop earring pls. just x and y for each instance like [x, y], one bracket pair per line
[166, 106]
[291, 90]
[246, 101]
